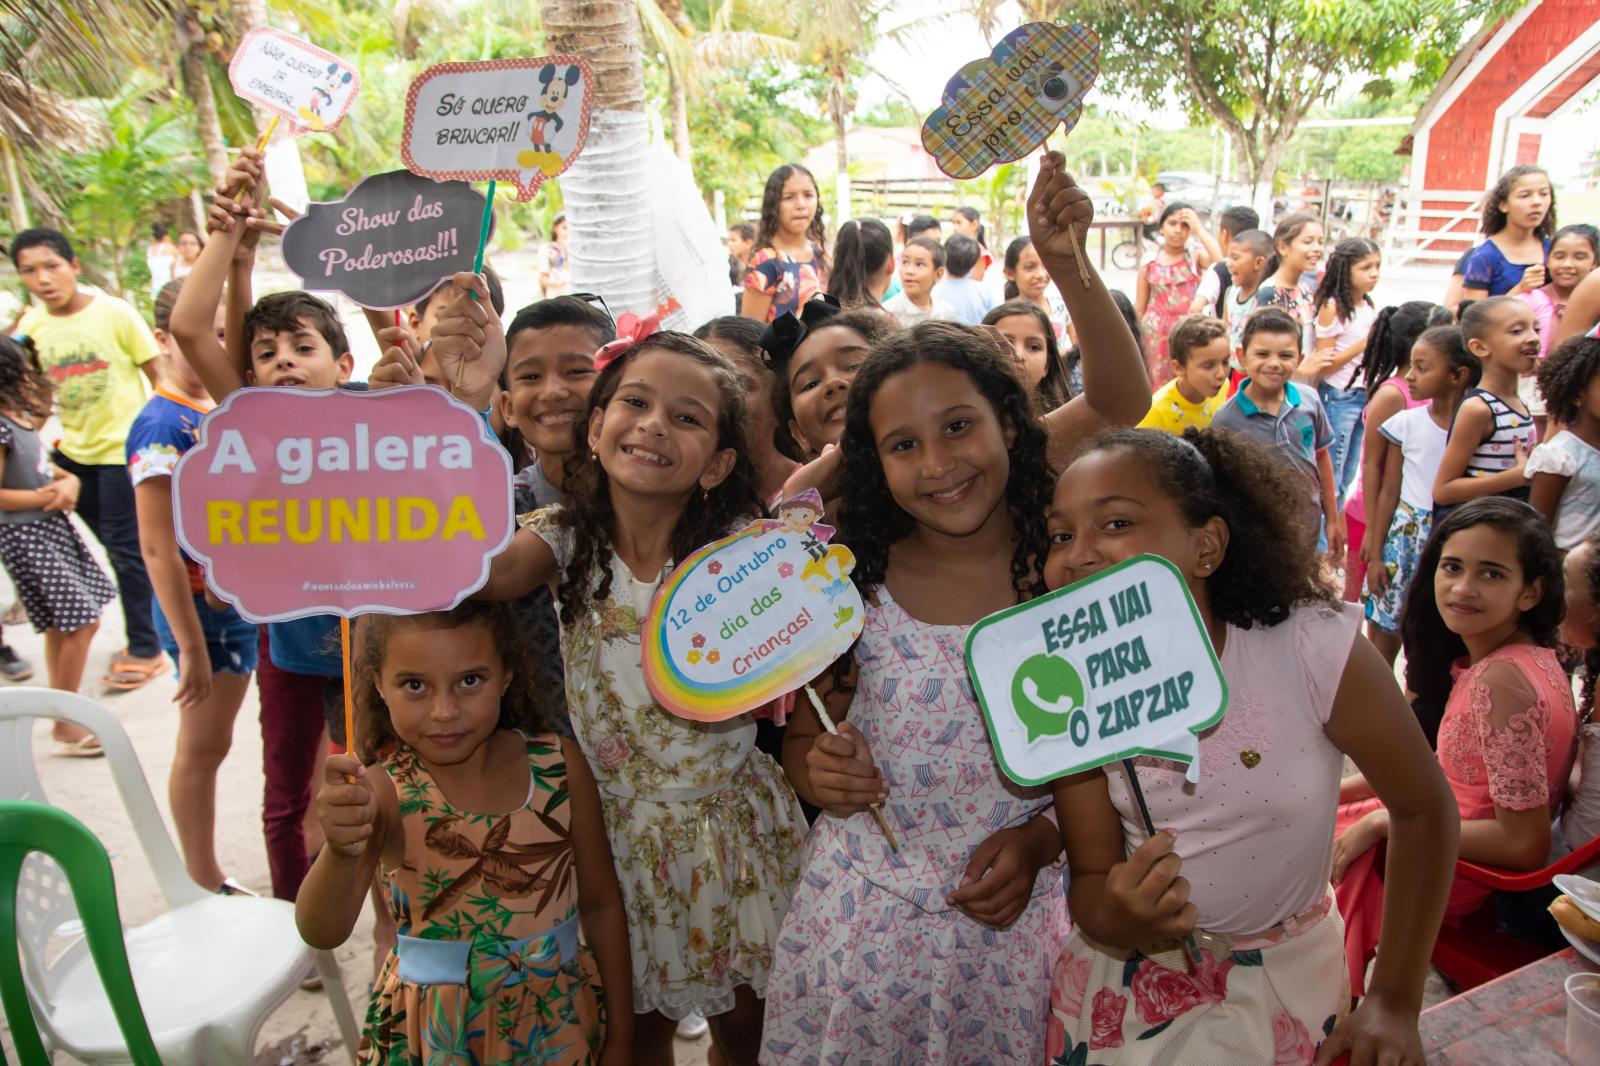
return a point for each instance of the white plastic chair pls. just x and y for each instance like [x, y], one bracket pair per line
[209, 971]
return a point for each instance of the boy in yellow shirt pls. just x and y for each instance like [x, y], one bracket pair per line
[1199, 387]
[98, 352]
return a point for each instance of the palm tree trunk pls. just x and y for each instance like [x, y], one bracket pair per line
[19, 200]
[607, 190]
[678, 108]
[197, 86]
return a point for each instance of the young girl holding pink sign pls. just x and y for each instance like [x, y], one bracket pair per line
[486, 828]
[705, 831]
[939, 948]
[1240, 864]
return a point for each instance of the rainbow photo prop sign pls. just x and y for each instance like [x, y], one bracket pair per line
[751, 617]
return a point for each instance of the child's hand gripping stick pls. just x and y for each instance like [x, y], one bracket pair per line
[346, 807]
[875, 808]
[1056, 208]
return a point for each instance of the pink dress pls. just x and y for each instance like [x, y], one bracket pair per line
[1256, 840]
[871, 964]
[1515, 756]
[1172, 289]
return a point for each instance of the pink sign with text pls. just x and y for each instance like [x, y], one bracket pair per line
[301, 502]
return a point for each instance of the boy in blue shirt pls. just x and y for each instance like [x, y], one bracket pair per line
[1272, 409]
[965, 297]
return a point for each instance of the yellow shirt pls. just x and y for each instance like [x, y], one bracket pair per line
[1171, 412]
[93, 358]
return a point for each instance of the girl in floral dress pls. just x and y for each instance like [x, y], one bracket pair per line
[1239, 861]
[491, 841]
[705, 831]
[1167, 285]
[939, 952]
[1480, 627]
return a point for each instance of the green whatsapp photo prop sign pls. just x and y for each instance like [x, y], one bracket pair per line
[1115, 666]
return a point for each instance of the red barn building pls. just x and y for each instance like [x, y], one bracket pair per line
[1489, 113]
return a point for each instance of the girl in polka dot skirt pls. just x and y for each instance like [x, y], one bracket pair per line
[60, 585]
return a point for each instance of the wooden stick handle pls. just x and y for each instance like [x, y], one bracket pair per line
[477, 264]
[349, 693]
[876, 809]
[261, 142]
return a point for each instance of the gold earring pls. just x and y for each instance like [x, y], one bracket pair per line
[705, 494]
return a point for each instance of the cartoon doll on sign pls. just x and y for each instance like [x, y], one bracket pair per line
[553, 93]
[334, 81]
[799, 514]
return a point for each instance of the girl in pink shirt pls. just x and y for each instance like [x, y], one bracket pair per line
[1480, 624]
[1242, 858]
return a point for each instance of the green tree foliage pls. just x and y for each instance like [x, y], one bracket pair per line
[750, 121]
[1257, 67]
[150, 158]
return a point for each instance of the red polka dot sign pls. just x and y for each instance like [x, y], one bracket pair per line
[521, 121]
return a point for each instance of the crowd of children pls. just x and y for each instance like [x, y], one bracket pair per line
[565, 871]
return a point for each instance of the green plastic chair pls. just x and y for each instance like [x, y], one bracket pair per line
[28, 827]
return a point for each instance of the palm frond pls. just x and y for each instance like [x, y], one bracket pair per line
[89, 42]
[741, 48]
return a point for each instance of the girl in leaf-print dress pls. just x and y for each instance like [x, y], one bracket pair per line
[488, 968]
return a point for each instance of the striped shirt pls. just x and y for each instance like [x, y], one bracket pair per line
[1498, 451]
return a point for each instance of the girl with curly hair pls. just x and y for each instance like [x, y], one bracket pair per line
[1480, 626]
[1565, 470]
[944, 484]
[487, 829]
[1519, 218]
[790, 264]
[1242, 861]
[705, 831]
[945, 476]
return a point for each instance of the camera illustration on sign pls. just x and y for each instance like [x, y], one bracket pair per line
[1003, 106]
[523, 121]
[308, 87]
[753, 616]
[389, 242]
[301, 502]
[1116, 665]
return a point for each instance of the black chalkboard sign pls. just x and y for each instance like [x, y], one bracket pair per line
[392, 240]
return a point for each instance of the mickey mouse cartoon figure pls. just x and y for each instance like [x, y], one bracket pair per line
[553, 93]
[322, 97]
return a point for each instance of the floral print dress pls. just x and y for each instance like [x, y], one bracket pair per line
[1172, 289]
[487, 968]
[704, 829]
[873, 965]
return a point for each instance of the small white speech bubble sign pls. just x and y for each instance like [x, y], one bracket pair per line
[1116, 665]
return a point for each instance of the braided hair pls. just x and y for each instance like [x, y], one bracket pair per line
[1389, 341]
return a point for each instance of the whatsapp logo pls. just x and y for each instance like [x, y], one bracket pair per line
[1047, 694]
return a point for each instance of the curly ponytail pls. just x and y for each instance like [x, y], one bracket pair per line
[1270, 566]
